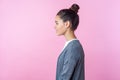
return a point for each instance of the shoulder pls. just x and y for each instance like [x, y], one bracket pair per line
[75, 46]
[74, 49]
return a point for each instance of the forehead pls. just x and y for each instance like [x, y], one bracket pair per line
[57, 18]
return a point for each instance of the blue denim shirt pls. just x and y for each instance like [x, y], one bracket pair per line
[70, 64]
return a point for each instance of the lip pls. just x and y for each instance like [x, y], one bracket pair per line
[56, 29]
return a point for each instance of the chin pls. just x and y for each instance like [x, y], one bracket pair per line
[58, 34]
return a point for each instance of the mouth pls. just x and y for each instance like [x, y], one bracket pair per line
[56, 30]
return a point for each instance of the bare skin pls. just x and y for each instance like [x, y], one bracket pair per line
[64, 28]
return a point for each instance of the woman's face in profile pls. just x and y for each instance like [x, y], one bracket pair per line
[59, 26]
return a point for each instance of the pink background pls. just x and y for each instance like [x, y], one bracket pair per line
[29, 46]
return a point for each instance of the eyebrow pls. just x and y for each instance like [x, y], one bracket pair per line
[56, 21]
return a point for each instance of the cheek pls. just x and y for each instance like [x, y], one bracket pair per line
[60, 30]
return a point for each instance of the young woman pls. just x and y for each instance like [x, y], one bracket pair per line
[70, 64]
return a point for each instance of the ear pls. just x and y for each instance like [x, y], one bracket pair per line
[67, 24]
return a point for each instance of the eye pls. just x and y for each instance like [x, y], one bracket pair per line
[56, 23]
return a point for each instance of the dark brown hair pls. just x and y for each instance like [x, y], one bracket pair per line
[70, 15]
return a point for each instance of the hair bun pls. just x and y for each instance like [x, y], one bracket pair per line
[75, 8]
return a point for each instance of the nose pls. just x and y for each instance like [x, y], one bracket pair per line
[54, 27]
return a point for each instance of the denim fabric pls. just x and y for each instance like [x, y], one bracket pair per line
[70, 64]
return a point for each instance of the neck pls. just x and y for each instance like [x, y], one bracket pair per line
[69, 35]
